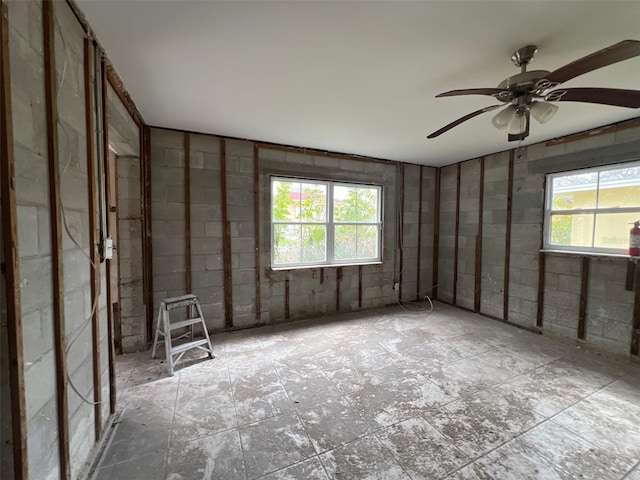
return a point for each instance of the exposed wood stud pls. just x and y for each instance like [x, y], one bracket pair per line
[584, 286]
[616, 127]
[147, 241]
[541, 273]
[226, 240]
[187, 209]
[359, 286]
[457, 232]
[507, 248]
[93, 236]
[118, 305]
[123, 95]
[322, 153]
[256, 222]
[401, 228]
[338, 281]
[48, 22]
[11, 259]
[321, 276]
[436, 236]
[109, 194]
[628, 284]
[635, 323]
[419, 267]
[477, 289]
[286, 299]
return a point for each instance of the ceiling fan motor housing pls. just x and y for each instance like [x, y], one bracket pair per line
[521, 83]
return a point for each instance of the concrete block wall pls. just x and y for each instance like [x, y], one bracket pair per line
[427, 232]
[494, 215]
[34, 238]
[468, 232]
[527, 218]
[6, 433]
[32, 200]
[447, 231]
[609, 306]
[311, 292]
[76, 244]
[168, 215]
[241, 217]
[124, 136]
[410, 226]
[132, 312]
[206, 227]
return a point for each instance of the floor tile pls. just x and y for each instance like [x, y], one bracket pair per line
[573, 454]
[363, 458]
[332, 424]
[479, 423]
[201, 417]
[393, 402]
[471, 472]
[604, 425]
[382, 394]
[273, 444]
[139, 434]
[515, 462]
[422, 451]
[209, 458]
[310, 469]
[149, 467]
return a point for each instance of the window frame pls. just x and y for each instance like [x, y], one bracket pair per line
[549, 212]
[328, 223]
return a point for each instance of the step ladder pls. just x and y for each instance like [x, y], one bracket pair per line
[164, 327]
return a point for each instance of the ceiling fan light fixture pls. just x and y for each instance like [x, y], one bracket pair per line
[518, 124]
[502, 119]
[543, 111]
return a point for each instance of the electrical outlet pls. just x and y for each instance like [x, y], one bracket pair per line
[108, 248]
[396, 286]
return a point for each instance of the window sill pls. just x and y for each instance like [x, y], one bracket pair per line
[588, 254]
[323, 265]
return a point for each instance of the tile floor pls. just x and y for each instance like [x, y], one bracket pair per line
[385, 394]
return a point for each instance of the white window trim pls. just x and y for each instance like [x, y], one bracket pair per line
[329, 224]
[548, 212]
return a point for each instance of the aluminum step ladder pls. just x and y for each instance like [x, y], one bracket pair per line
[165, 326]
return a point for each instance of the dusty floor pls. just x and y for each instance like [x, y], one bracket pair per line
[387, 395]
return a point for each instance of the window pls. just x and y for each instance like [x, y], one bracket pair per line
[324, 223]
[590, 210]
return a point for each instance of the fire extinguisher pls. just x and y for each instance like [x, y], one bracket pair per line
[634, 240]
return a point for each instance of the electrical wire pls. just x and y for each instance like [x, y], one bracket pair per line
[66, 225]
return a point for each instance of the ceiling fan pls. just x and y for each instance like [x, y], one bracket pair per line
[528, 94]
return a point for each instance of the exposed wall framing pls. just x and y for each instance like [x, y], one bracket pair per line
[48, 21]
[635, 335]
[93, 234]
[256, 223]
[11, 270]
[226, 240]
[147, 243]
[457, 233]
[507, 248]
[477, 287]
[419, 234]
[540, 305]
[436, 235]
[584, 287]
[109, 194]
[187, 210]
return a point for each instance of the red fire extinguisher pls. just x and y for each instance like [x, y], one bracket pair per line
[634, 240]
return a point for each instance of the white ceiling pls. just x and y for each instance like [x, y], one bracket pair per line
[356, 77]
